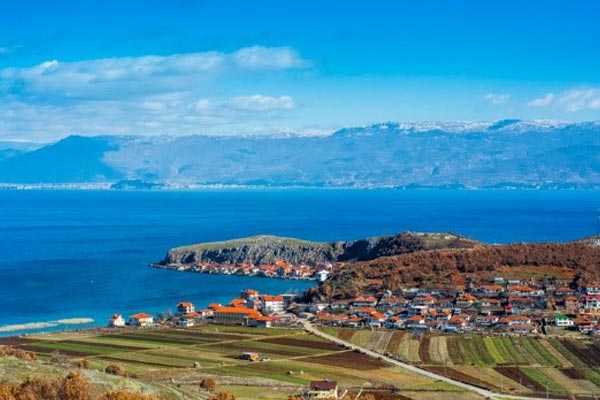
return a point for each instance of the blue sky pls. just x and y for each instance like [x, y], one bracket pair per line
[310, 67]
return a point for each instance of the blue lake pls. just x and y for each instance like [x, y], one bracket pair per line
[67, 254]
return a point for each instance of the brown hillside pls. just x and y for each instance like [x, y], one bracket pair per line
[438, 266]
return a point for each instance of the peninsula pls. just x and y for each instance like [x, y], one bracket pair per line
[281, 257]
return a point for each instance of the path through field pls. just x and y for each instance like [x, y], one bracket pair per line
[483, 392]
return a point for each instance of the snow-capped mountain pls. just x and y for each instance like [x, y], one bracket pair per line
[507, 153]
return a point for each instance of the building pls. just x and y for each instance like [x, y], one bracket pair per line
[322, 275]
[185, 307]
[322, 390]
[364, 301]
[592, 302]
[262, 322]
[235, 315]
[116, 321]
[248, 356]
[249, 294]
[187, 320]
[563, 321]
[272, 304]
[141, 319]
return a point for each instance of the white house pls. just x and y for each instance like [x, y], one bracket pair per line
[563, 321]
[322, 275]
[322, 390]
[272, 304]
[592, 302]
[186, 321]
[185, 307]
[116, 321]
[141, 319]
[592, 289]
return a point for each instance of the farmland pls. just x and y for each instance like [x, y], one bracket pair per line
[517, 364]
[180, 359]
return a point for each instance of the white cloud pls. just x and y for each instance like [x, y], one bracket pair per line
[128, 76]
[572, 100]
[265, 58]
[542, 101]
[258, 102]
[580, 99]
[178, 94]
[497, 99]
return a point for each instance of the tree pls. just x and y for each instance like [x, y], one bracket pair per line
[209, 384]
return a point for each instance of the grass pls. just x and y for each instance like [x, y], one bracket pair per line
[533, 347]
[538, 359]
[593, 375]
[253, 240]
[158, 355]
[297, 357]
[473, 351]
[538, 375]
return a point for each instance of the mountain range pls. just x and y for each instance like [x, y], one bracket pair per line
[499, 154]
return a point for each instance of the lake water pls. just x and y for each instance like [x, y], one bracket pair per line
[85, 254]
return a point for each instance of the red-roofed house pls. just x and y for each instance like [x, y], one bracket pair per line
[376, 319]
[141, 319]
[262, 322]
[249, 294]
[185, 307]
[322, 390]
[237, 303]
[187, 320]
[235, 315]
[272, 304]
[364, 301]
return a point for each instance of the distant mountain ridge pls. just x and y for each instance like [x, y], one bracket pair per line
[497, 154]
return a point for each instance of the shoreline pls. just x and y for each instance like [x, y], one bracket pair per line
[7, 330]
[106, 187]
[181, 268]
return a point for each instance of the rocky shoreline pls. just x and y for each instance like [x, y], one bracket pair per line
[258, 250]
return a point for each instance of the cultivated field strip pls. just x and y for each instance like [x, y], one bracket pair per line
[524, 364]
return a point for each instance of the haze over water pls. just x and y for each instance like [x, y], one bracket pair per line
[69, 254]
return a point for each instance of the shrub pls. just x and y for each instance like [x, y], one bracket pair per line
[10, 351]
[222, 396]
[115, 369]
[121, 395]
[209, 384]
[75, 387]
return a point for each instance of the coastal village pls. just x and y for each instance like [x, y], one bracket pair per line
[279, 269]
[495, 305]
